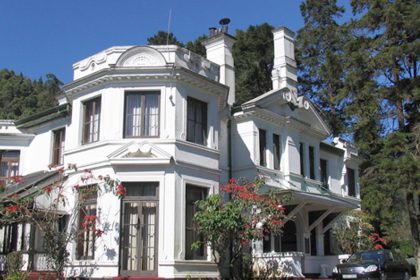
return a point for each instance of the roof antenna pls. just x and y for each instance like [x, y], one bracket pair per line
[169, 26]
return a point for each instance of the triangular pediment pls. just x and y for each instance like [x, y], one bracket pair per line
[139, 152]
[287, 104]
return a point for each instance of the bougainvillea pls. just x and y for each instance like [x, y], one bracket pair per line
[232, 219]
[16, 209]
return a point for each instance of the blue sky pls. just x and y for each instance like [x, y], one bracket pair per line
[39, 37]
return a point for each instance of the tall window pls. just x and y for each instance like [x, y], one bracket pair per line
[193, 194]
[58, 146]
[142, 114]
[91, 120]
[311, 162]
[87, 220]
[276, 151]
[302, 159]
[263, 147]
[351, 182]
[324, 172]
[196, 121]
[9, 164]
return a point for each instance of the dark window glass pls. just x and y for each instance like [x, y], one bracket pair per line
[142, 114]
[86, 234]
[324, 172]
[91, 120]
[311, 162]
[351, 182]
[196, 121]
[193, 194]
[58, 146]
[276, 151]
[302, 159]
[263, 147]
[145, 189]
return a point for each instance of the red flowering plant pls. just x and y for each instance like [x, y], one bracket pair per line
[232, 219]
[44, 208]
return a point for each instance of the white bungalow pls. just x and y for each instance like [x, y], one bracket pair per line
[157, 118]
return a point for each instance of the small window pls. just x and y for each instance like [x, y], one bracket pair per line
[276, 151]
[351, 182]
[87, 220]
[196, 121]
[142, 114]
[91, 120]
[311, 162]
[263, 147]
[9, 164]
[324, 172]
[193, 194]
[58, 146]
[302, 159]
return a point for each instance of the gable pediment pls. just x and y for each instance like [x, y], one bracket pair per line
[141, 56]
[138, 153]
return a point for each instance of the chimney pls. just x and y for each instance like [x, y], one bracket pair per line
[219, 50]
[284, 72]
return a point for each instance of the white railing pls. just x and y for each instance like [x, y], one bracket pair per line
[41, 263]
[278, 265]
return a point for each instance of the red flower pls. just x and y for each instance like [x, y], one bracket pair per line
[120, 191]
[378, 246]
[76, 187]
[232, 181]
[244, 242]
[98, 232]
[48, 189]
[12, 209]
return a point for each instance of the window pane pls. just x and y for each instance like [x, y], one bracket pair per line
[133, 114]
[92, 112]
[276, 151]
[151, 115]
[196, 121]
[263, 147]
[311, 162]
[351, 182]
[193, 194]
[302, 159]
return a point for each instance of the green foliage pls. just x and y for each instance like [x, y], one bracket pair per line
[14, 262]
[162, 38]
[253, 54]
[21, 97]
[230, 225]
[353, 232]
[197, 46]
[320, 59]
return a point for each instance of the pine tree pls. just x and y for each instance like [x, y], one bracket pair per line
[320, 59]
[162, 38]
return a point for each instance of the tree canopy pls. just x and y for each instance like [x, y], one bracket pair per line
[21, 97]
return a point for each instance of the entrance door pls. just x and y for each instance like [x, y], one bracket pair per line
[139, 230]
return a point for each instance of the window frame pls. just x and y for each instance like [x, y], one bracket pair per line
[192, 136]
[262, 137]
[142, 95]
[9, 161]
[189, 253]
[87, 207]
[276, 151]
[312, 162]
[323, 173]
[87, 134]
[351, 178]
[59, 138]
[302, 158]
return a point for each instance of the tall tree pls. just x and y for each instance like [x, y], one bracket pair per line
[163, 38]
[320, 59]
[386, 33]
[197, 46]
[253, 53]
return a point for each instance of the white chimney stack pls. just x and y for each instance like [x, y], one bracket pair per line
[219, 50]
[284, 72]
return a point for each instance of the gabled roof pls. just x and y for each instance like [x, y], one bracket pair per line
[309, 114]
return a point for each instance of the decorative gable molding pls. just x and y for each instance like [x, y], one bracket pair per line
[139, 153]
[141, 56]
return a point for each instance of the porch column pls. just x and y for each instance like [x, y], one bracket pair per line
[319, 240]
